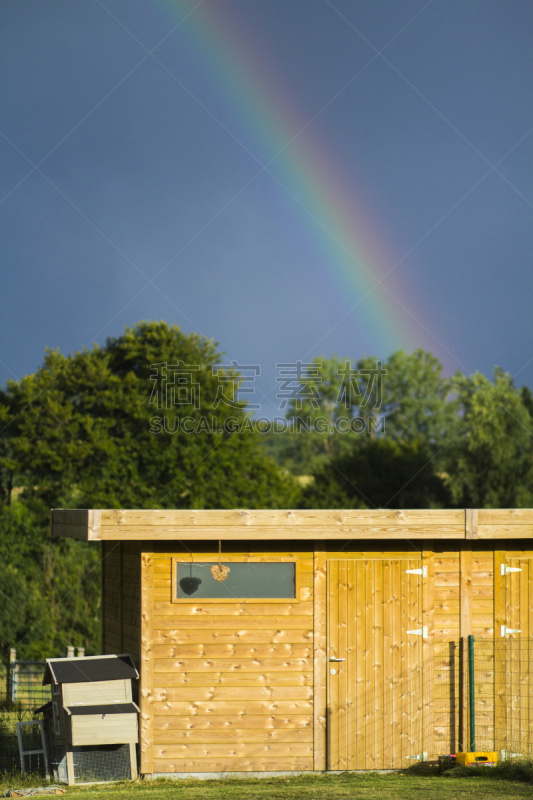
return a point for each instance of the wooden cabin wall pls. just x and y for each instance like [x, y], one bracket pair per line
[121, 598]
[226, 686]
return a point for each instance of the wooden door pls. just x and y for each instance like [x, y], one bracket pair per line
[376, 693]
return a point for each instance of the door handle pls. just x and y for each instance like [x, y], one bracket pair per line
[337, 659]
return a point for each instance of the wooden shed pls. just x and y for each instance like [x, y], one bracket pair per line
[336, 641]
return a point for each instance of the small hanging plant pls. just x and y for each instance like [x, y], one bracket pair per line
[220, 571]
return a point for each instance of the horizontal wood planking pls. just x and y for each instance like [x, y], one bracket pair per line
[483, 595]
[275, 518]
[245, 662]
[239, 722]
[245, 610]
[241, 693]
[505, 516]
[170, 766]
[252, 636]
[229, 679]
[237, 665]
[235, 651]
[235, 735]
[233, 750]
[505, 531]
[236, 623]
[446, 595]
[282, 532]
[275, 709]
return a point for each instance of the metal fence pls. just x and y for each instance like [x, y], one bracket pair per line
[21, 684]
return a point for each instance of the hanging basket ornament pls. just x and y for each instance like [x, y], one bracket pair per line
[219, 571]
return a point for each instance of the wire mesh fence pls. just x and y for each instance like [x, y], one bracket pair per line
[10, 761]
[490, 710]
[21, 684]
[21, 693]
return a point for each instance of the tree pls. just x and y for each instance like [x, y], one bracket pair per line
[489, 457]
[406, 398]
[104, 428]
[379, 473]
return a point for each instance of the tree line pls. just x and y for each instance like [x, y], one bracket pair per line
[79, 433]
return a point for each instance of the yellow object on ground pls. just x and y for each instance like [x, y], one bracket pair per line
[476, 759]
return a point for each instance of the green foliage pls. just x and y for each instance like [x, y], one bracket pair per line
[463, 442]
[82, 437]
[379, 473]
[79, 433]
[489, 456]
[49, 590]
[406, 398]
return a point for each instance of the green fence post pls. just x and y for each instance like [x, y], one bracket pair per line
[471, 695]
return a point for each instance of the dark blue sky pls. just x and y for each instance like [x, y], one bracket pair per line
[122, 166]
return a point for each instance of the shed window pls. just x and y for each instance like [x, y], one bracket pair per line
[246, 579]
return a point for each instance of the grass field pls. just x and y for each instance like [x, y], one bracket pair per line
[396, 786]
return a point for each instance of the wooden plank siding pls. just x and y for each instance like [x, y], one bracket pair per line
[232, 682]
[245, 686]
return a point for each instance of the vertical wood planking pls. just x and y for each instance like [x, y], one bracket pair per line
[369, 715]
[523, 625]
[513, 664]
[320, 666]
[378, 661]
[465, 567]
[405, 714]
[500, 670]
[147, 662]
[360, 687]
[415, 660]
[351, 668]
[465, 629]
[388, 730]
[396, 689]
[342, 667]
[333, 652]
[428, 651]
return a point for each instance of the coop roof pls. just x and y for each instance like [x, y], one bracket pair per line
[116, 708]
[89, 669]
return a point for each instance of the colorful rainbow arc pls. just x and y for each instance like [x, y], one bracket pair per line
[232, 56]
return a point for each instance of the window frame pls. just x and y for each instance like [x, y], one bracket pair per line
[202, 559]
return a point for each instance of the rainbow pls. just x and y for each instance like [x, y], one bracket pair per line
[233, 59]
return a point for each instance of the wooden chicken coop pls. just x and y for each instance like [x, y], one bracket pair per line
[91, 723]
[329, 640]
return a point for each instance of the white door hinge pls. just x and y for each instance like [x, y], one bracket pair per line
[422, 571]
[423, 631]
[506, 630]
[418, 757]
[505, 569]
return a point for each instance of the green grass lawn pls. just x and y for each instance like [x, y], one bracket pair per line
[394, 786]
